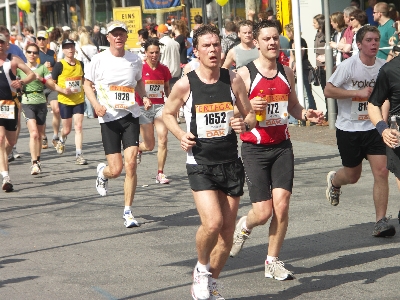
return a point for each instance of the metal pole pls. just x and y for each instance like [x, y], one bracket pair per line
[18, 22]
[219, 10]
[234, 8]
[329, 66]
[204, 10]
[8, 18]
[297, 51]
[123, 3]
[188, 16]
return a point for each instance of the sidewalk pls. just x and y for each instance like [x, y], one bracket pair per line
[61, 240]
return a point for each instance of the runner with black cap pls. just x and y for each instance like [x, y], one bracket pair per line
[68, 74]
[116, 75]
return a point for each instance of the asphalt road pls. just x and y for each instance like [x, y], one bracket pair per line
[61, 240]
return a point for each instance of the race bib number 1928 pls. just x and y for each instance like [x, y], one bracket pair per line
[213, 119]
[122, 97]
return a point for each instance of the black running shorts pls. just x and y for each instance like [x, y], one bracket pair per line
[226, 177]
[10, 124]
[355, 146]
[268, 167]
[67, 111]
[126, 129]
[36, 112]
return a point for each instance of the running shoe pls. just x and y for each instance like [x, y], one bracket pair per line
[60, 147]
[139, 157]
[101, 184]
[10, 157]
[277, 271]
[7, 185]
[15, 153]
[332, 193]
[35, 169]
[45, 143]
[130, 220]
[55, 142]
[80, 160]
[239, 237]
[382, 228]
[161, 178]
[214, 291]
[200, 289]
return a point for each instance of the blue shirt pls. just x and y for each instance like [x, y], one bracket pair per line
[14, 49]
[370, 15]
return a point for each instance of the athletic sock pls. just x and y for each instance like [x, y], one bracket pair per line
[202, 268]
[127, 208]
[270, 259]
[4, 173]
[78, 152]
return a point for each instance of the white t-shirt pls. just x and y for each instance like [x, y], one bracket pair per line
[352, 74]
[90, 51]
[107, 70]
[170, 55]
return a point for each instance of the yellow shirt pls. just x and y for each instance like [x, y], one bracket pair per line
[71, 76]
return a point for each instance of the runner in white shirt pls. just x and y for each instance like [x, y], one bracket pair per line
[116, 74]
[352, 84]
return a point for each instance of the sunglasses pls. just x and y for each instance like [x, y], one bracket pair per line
[41, 38]
[352, 19]
[34, 52]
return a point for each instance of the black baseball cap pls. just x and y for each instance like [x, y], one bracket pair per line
[67, 41]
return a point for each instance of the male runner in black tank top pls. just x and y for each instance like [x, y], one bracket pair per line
[9, 105]
[214, 169]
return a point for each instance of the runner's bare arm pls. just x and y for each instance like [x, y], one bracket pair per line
[245, 75]
[180, 92]
[89, 92]
[229, 60]
[243, 105]
[167, 89]
[52, 85]
[334, 92]
[376, 114]
[140, 89]
[30, 75]
[294, 107]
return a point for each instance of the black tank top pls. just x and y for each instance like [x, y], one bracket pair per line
[214, 149]
[5, 90]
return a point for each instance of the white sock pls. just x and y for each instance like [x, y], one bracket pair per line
[202, 268]
[127, 208]
[101, 174]
[55, 137]
[78, 152]
[4, 173]
[245, 227]
[270, 259]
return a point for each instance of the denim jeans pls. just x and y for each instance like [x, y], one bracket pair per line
[88, 108]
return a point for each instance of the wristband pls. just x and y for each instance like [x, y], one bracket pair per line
[381, 126]
[44, 80]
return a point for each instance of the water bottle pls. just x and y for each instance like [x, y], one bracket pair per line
[393, 126]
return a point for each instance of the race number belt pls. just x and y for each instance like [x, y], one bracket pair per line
[276, 110]
[154, 88]
[213, 120]
[7, 109]
[74, 83]
[359, 109]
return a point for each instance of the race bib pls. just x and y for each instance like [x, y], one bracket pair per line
[213, 120]
[74, 83]
[154, 88]
[7, 109]
[276, 111]
[115, 96]
[359, 109]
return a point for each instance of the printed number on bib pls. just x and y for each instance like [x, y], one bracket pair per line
[213, 119]
[121, 97]
[154, 88]
[276, 111]
[74, 83]
[7, 109]
[359, 109]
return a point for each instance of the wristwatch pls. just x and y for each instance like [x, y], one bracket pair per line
[247, 126]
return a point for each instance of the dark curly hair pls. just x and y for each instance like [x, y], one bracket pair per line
[263, 24]
[152, 42]
[203, 30]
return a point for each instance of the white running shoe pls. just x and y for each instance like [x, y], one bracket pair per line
[60, 147]
[35, 169]
[130, 220]
[139, 157]
[7, 185]
[200, 289]
[214, 287]
[161, 178]
[239, 237]
[277, 270]
[16, 154]
[101, 184]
